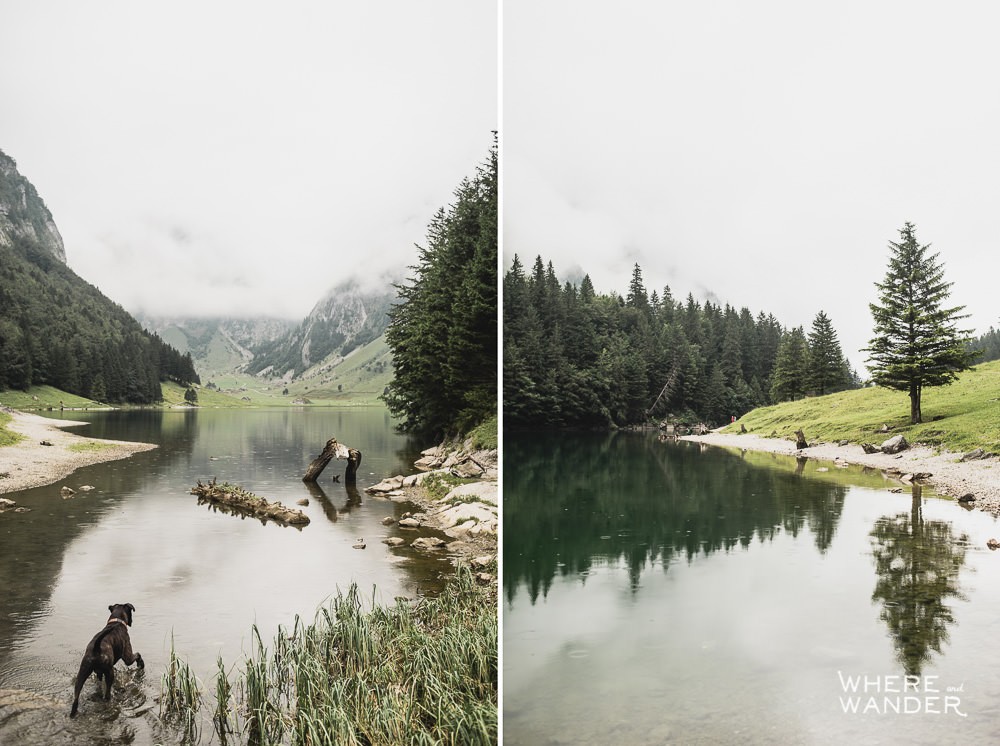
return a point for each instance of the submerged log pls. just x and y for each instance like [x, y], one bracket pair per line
[237, 499]
[332, 450]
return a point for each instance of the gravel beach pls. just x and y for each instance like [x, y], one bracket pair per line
[950, 475]
[30, 464]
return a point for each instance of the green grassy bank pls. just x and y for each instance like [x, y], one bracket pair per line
[959, 417]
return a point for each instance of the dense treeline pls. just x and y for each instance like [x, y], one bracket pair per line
[989, 344]
[576, 358]
[443, 333]
[57, 329]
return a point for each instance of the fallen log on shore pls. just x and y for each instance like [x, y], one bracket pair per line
[236, 498]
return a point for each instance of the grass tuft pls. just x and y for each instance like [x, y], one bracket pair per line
[423, 673]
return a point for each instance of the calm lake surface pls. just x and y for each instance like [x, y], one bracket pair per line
[198, 575]
[669, 593]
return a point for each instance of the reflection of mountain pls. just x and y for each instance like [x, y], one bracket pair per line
[917, 563]
[571, 498]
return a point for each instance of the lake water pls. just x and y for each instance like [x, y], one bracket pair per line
[669, 593]
[200, 576]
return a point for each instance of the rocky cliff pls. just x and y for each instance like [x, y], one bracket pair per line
[23, 213]
[343, 320]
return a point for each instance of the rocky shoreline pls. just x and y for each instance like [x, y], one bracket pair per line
[953, 474]
[48, 453]
[467, 513]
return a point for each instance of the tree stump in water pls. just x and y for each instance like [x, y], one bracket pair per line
[332, 450]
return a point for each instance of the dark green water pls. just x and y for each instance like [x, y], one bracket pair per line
[200, 575]
[668, 593]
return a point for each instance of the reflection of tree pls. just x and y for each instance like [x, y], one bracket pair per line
[917, 563]
[579, 500]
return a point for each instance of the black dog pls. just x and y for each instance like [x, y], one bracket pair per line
[108, 645]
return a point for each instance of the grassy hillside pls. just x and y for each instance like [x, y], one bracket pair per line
[173, 394]
[959, 417]
[45, 397]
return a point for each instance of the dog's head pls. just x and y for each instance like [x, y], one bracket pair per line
[123, 612]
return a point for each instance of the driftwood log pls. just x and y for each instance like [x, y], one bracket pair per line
[239, 500]
[332, 450]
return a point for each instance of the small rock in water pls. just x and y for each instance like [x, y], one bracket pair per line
[427, 542]
[993, 544]
[86, 488]
[388, 520]
[967, 498]
[393, 541]
[67, 492]
[303, 501]
[360, 544]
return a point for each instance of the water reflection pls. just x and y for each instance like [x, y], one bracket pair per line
[199, 578]
[917, 563]
[575, 499]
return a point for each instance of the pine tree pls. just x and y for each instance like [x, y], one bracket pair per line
[791, 367]
[826, 359]
[637, 297]
[916, 342]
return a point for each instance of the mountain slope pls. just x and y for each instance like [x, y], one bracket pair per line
[23, 214]
[343, 320]
[58, 329]
[218, 346]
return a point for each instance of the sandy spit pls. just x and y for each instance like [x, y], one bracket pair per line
[950, 476]
[30, 464]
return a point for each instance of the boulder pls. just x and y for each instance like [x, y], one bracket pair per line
[993, 544]
[975, 455]
[896, 444]
[409, 523]
[427, 542]
[869, 448]
[388, 520]
[6, 504]
[485, 492]
[386, 485]
[428, 462]
[467, 469]
[967, 498]
[393, 541]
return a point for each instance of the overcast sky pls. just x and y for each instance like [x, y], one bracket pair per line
[764, 152]
[242, 157]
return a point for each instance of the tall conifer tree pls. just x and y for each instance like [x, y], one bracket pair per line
[826, 359]
[916, 341]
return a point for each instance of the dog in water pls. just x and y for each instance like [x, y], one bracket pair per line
[108, 645]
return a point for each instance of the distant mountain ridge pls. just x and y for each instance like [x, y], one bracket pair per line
[23, 214]
[218, 345]
[343, 320]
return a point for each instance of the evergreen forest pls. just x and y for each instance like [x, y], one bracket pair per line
[443, 330]
[57, 329]
[988, 345]
[576, 358]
